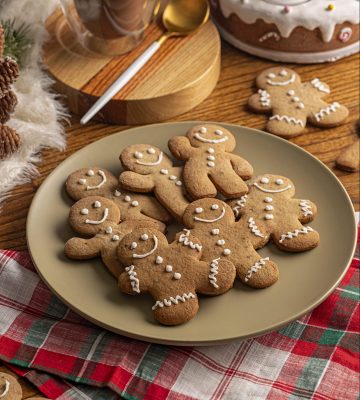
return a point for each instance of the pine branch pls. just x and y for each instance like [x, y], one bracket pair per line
[17, 40]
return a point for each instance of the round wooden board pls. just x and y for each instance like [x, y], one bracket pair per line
[179, 77]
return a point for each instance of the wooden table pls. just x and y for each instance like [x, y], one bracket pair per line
[226, 104]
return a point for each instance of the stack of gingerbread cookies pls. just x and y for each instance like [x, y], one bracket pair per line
[124, 219]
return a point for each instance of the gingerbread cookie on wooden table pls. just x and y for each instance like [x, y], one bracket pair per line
[293, 103]
[150, 169]
[209, 164]
[99, 219]
[97, 181]
[10, 388]
[213, 222]
[172, 273]
[270, 210]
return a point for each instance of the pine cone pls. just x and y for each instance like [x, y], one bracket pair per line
[7, 106]
[9, 141]
[9, 71]
[2, 41]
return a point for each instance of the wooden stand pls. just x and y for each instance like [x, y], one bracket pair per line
[179, 77]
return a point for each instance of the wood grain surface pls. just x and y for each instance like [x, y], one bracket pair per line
[227, 103]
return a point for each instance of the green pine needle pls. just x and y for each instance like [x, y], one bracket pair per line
[17, 41]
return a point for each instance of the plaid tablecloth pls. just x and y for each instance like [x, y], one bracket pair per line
[66, 357]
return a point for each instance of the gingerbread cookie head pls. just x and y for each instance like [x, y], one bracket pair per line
[91, 214]
[277, 77]
[144, 159]
[211, 135]
[274, 185]
[10, 388]
[90, 182]
[204, 212]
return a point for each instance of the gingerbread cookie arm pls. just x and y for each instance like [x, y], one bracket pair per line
[306, 210]
[133, 280]
[181, 148]
[187, 244]
[242, 167]
[260, 102]
[153, 209]
[137, 182]
[82, 249]
[317, 88]
[328, 115]
[287, 124]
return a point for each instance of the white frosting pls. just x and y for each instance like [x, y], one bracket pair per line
[305, 207]
[290, 235]
[214, 141]
[177, 275]
[214, 266]
[311, 14]
[159, 260]
[168, 268]
[287, 119]
[253, 227]
[281, 83]
[173, 300]
[211, 220]
[149, 252]
[100, 221]
[133, 279]
[255, 268]
[157, 162]
[319, 85]
[184, 239]
[102, 182]
[271, 190]
[6, 389]
[327, 111]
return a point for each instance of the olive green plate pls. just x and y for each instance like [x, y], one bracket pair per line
[306, 279]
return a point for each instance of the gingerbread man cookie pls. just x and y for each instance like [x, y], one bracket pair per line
[213, 222]
[270, 210]
[293, 103]
[210, 166]
[150, 169]
[100, 218]
[171, 273]
[96, 181]
[10, 388]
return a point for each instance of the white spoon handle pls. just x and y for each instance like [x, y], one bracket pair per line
[121, 81]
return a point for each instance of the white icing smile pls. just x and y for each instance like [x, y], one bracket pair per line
[103, 180]
[271, 190]
[214, 141]
[149, 252]
[283, 83]
[100, 221]
[211, 220]
[6, 389]
[157, 162]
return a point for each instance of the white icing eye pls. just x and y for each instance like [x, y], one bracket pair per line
[268, 199]
[199, 210]
[164, 171]
[144, 237]
[283, 72]
[84, 211]
[135, 203]
[291, 92]
[168, 268]
[117, 193]
[159, 260]
[219, 132]
[138, 154]
[264, 180]
[214, 206]
[82, 181]
[279, 181]
[97, 204]
[90, 173]
[210, 150]
[108, 229]
[127, 198]
[203, 129]
[150, 150]
[133, 245]
[271, 76]
[177, 275]
[215, 231]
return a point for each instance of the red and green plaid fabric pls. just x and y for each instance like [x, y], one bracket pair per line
[67, 357]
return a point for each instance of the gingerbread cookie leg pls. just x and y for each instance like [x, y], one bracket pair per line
[82, 249]
[198, 188]
[286, 125]
[228, 182]
[152, 209]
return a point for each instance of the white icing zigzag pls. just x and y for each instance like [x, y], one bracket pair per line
[133, 279]
[264, 98]
[305, 207]
[239, 204]
[268, 35]
[256, 267]
[214, 266]
[184, 239]
[327, 110]
[319, 85]
[290, 235]
[287, 119]
[254, 229]
[171, 300]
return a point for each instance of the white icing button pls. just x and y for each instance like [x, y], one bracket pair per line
[268, 208]
[210, 164]
[220, 242]
[219, 132]
[214, 206]
[168, 268]
[295, 99]
[264, 180]
[108, 230]
[127, 198]
[84, 211]
[117, 193]
[138, 154]
[215, 231]
[172, 177]
[90, 173]
[150, 150]
[97, 204]
[144, 237]
[159, 260]
[135, 203]
[199, 210]
[177, 275]
[210, 158]
[279, 181]
[164, 171]
[271, 75]
[283, 72]
[203, 129]
[300, 105]
[226, 252]
[115, 238]
[133, 245]
[82, 181]
[269, 216]
[178, 183]
[291, 92]
[268, 199]
[210, 150]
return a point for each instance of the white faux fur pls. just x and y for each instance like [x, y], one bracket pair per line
[39, 115]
